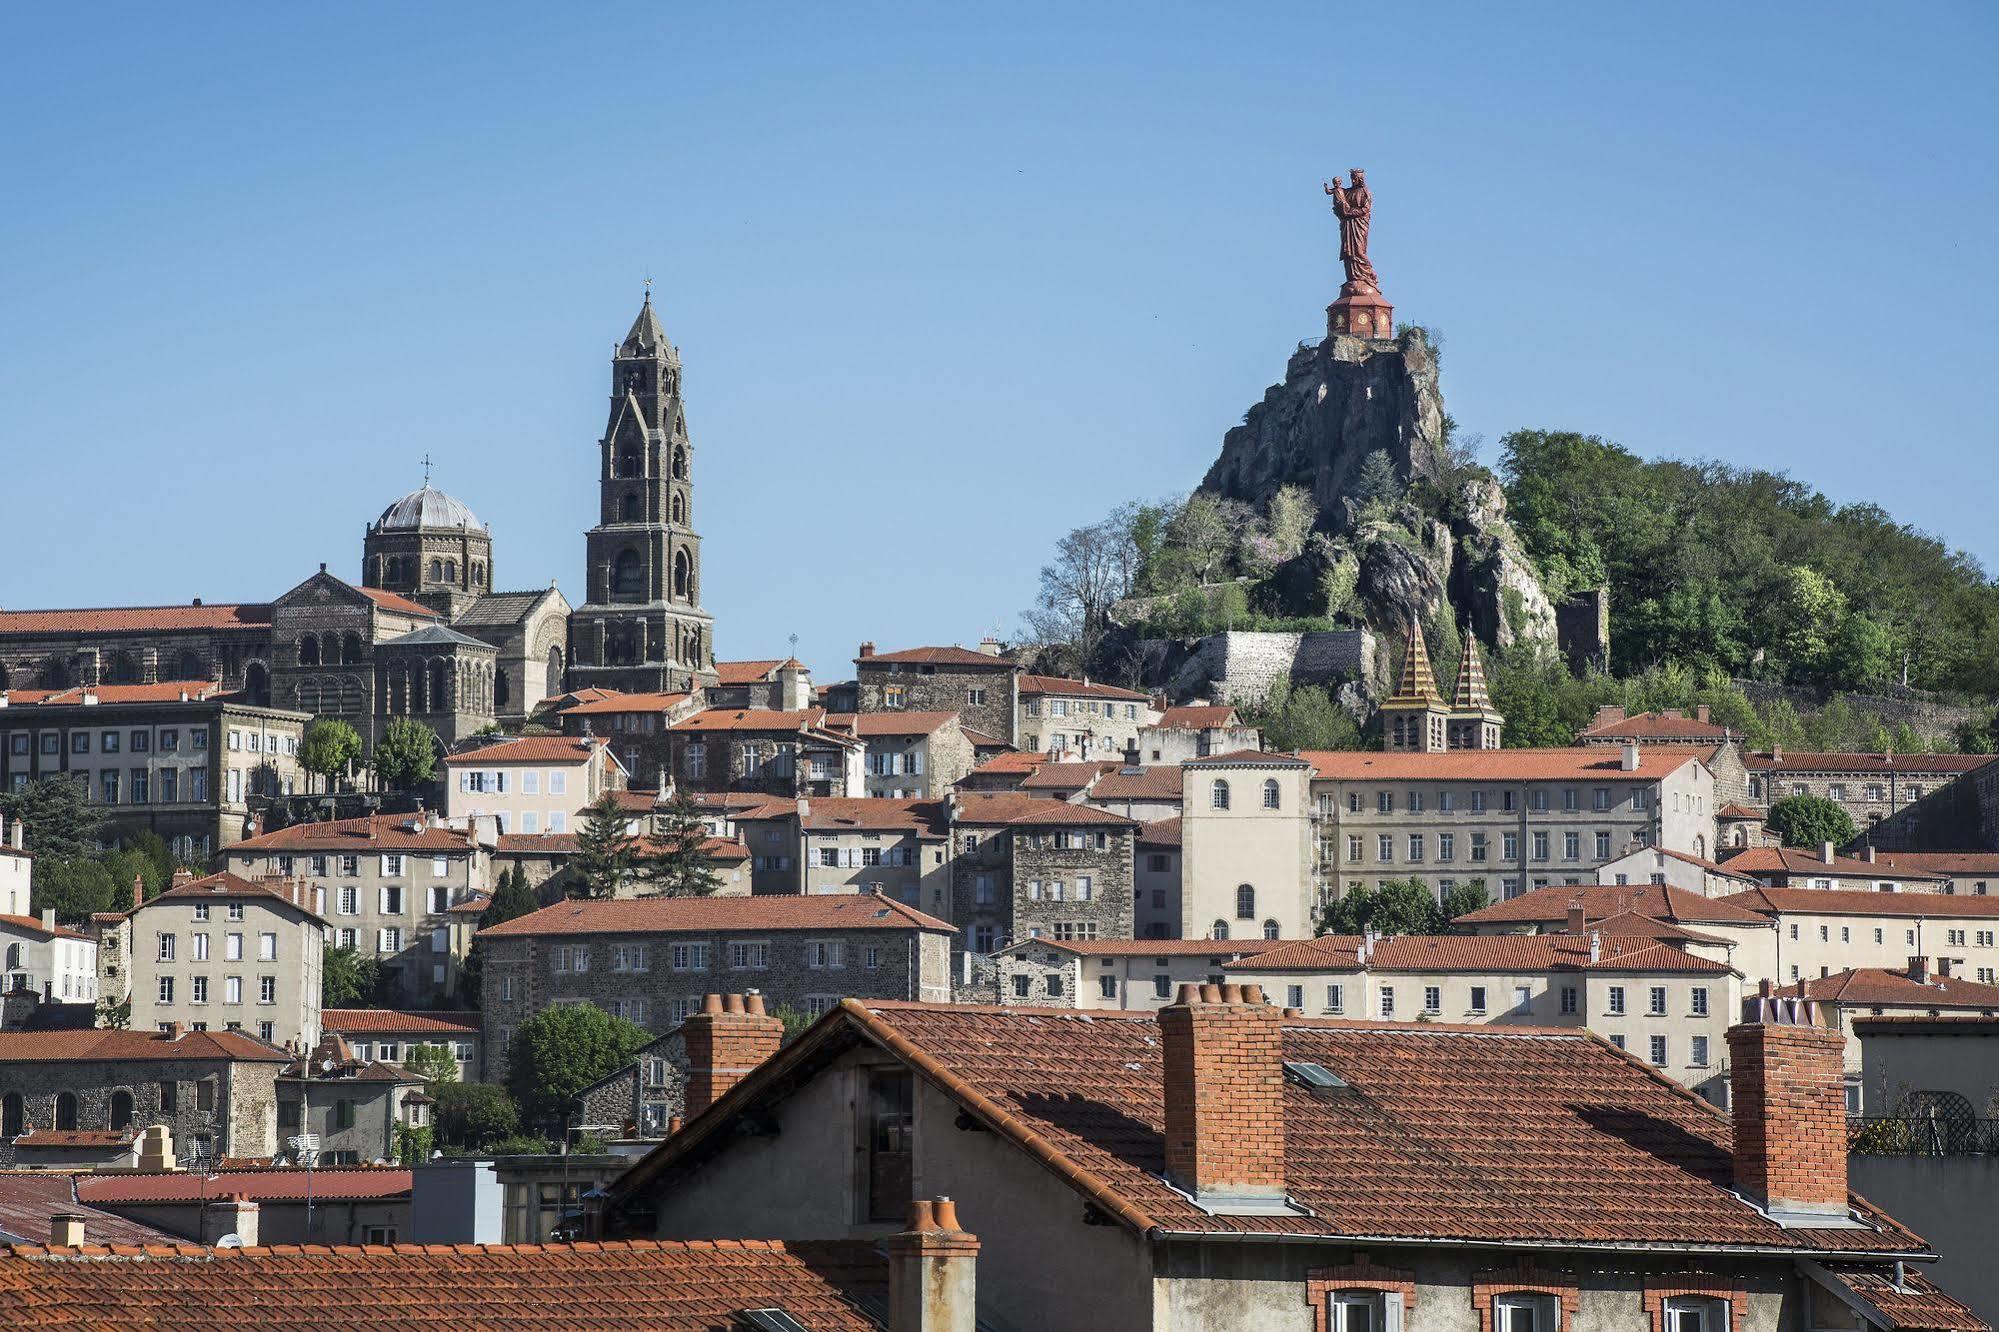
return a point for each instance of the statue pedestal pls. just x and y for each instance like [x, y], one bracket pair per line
[1360, 314]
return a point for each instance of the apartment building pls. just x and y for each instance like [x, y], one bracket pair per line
[1195, 730]
[1822, 932]
[1681, 869]
[182, 759]
[653, 959]
[1145, 794]
[1662, 1004]
[53, 962]
[1794, 867]
[1158, 899]
[1966, 873]
[1744, 938]
[388, 885]
[1511, 819]
[1918, 988]
[1870, 787]
[1025, 868]
[1081, 718]
[1246, 847]
[981, 686]
[390, 1034]
[633, 725]
[17, 868]
[1102, 974]
[899, 848]
[784, 684]
[351, 1104]
[223, 953]
[909, 755]
[533, 784]
[766, 752]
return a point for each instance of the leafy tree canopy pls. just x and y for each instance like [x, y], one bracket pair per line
[676, 864]
[406, 755]
[474, 1115]
[347, 978]
[561, 1050]
[435, 1064]
[1812, 821]
[330, 747]
[57, 820]
[1398, 906]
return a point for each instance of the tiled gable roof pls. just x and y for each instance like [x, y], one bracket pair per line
[620, 703]
[1014, 763]
[1860, 902]
[1472, 1134]
[1955, 864]
[375, 832]
[31, 925]
[1011, 809]
[226, 887]
[111, 696]
[662, 1285]
[1066, 775]
[533, 749]
[400, 1022]
[927, 818]
[1864, 764]
[499, 609]
[937, 656]
[1485, 952]
[889, 723]
[1063, 687]
[1879, 985]
[1660, 901]
[1154, 784]
[1576, 763]
[1198, 717]
[135, 619]
[29, 1199]
[1908, 1301]
[395, 601]
[671, 915]
[1734, 810]
[1791, 860]
[751, 719]
[105, 1043]
[288, 1185]
[746, 672]
[1165, 832]
[1222, 950]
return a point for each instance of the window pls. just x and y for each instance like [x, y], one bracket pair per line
[1656, 1000]
[197, 989]
[1415, 848]
[1478, 998]
[1615, 1001]
[166, 992]
[1218, 794]
[1572, 846]
[1384, 802]
[200, 942]
[267, 989]
[267, 947]
[1271, 795]
[888, 1129]
[1540, 846]
[1695, 1313]
[1447, 846]
[1524, 1311]
[1384, 847]
[1617, 1039]
[1478, 846]
[232, 949]
[1245, 902]
[688, 956]
[1603, 846]
[825, 954]
[232, 989]
[1219, 930]
[1658, 1050]
[1699, 995]
[1336, 998]
[1357, 1311]
[1697, 1055]
[1509, 845]
[392, 865]
[1388, 1001]
[166, 953]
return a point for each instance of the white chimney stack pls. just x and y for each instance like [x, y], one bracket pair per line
[1826, 852]
[1630, 757]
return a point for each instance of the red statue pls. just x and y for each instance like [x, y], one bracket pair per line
[1354, 204]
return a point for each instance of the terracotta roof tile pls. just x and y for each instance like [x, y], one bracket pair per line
[226, 887]
[1858, 902]
[1011, 809]
[1485, 952]
[1912, 1303]
[32, 925]
[1254, 758]
[1789, 860]
[395, 601]
[1954, 864]
[927, 818]
[377, 832]
[1880, 985]
[663, 915]
[400, 1022]
[30, 1198]
[1154, 784]
[533, 749]
[48, 1137]
[257, 1185]
[1224, 949]
[1198, 717]
[1066, 775]
[1930, 764]
[750, 672]
[889, 723]
[1017, 762]
[1569, 763]
[135, 619]
[622, 703]
[666, 1285]
[111, 696]
[938, 656]
[1165, 832]
[980, 740]
[719, 849]
[751, 719]
[1660, 901]
[1063, 687]
[104, 1043]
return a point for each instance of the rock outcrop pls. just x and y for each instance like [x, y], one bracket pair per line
[1444, 539]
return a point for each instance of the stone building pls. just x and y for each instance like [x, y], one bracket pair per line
[225, 953]
[641, 627]
[635, 727]
[1795, 867]
[352, 1104]
[215, 1091]
[909, 755]
[1026, 868]
[1081, 718]
[982, 687]
[640, 1099]
[1157, 894]
[1870, 787]
[651, 960]
[181, 759]
[1113, 973]
[899, 848]
[61, 649]
[1195, 730]
[389, 1035]
[784, 685]
[765, 751]
[387, 885]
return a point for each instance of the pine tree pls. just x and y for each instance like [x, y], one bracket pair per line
[677, 864]
[511, 897]
[606, 854]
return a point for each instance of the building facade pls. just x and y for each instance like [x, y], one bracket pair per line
[1083, 719]
[981, 686]
[225, 954]
[534, 784]
[1025, 868]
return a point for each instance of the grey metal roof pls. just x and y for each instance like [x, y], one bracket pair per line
[427, 507]
[503, 608]
[434, 635]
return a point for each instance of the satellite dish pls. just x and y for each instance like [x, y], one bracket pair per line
[230, 1241]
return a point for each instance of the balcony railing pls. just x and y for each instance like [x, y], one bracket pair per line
[1921, 1135]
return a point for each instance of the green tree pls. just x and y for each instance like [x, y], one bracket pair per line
[606, 852]
[561, 1050]
[1376, 487]
[1303, 717]
[129, 864]
[473, 1115]
[329, 748]
[795, 1021]
[1340, 584]
[1462, 899]
[1290, 519]
[347, 978]
[406, 755]
[413, 1144]
[1398, 906]
[76, 889]
[1204, 529]
[676, 862]
[435, 1064]
[511, 898]
[1810, 820]
[115, 1016]
[57, 821]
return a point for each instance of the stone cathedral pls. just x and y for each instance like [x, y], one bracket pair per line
[641, 628]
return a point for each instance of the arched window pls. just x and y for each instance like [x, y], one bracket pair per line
[680, 463]
[436, 570]
[451, 571]
[15, 952]
[13, 1115]
[1270, 929]
[683, 575]
[631, 510]
[1245, 902]
[1219, 930]
[502, 691]
[1700, 845]
[65, 1110]
[679, 510]
[628, 574]
[553, 684]
[257, 683]
[478, 573]
[350, 648]
[1270, 794]
[628, 460]
[440, 697]
[1218, 794]
[121, 1109]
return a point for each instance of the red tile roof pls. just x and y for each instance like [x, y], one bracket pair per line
[393, 601]
[1063, 687]
[840, 813]
[980, 740]
[1908, 1301]
[663, 1285]
[1926, 764]
[1576, 763]
[1154, 784]
[257, 1185]
[1065, 775]
[1732, 810]
[622, 703]
[1165, 832]
[31, 925]
[48, 1137]
[226, 887]
[1475, 1134]
[889, 723]
[1216, 948]
[681, 915]
[376, 832]
[1012, 763]
[1009, 808]
[533, 749]
[1198, 717]
[1756, 861]
[29, 1199]
[135, 619]
[1251, 758]
[938, 656]
[1485, 952]
[400, 1022]
[749, 672]
[1953, 864]
[1659, 727]
[751, 719]
[718, 849]
[107, 1044]
[1866, 986]
[1660, 901]
[113, 695]
[1864, 902]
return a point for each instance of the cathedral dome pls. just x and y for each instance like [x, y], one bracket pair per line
[426, 508]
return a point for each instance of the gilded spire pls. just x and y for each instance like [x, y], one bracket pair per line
[1471, 695]
[1419, 681]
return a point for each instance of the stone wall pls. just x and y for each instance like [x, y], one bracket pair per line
[240, 1121]
[1932, 718]
[632, 1095]
[946, 689]
[1014, 862]
[1240, 667]
[1582, 629]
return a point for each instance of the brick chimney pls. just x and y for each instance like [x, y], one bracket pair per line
[1578, 918]
[867, 650]
[1919, 969]
[1788, 1101]
[138, 891]
[1606, 715]
[725, 1042]
[234, 1215]
[932, 1272]
[1224, 1063]
[66, 1230]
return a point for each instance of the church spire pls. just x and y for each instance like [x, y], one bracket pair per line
[1419, 681]
[1470, 695]
[1474, 722]
[646, 335]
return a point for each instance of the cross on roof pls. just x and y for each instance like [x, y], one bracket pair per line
[426, 469]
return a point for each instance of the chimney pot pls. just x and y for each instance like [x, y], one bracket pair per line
[932, 1272]
[1788, 1102]
[725, 1043]
[1578, 918]
[867, 650]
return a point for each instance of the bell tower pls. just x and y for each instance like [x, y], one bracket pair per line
[641, 627]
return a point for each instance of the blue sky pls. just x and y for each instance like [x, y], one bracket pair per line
[947, 281]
